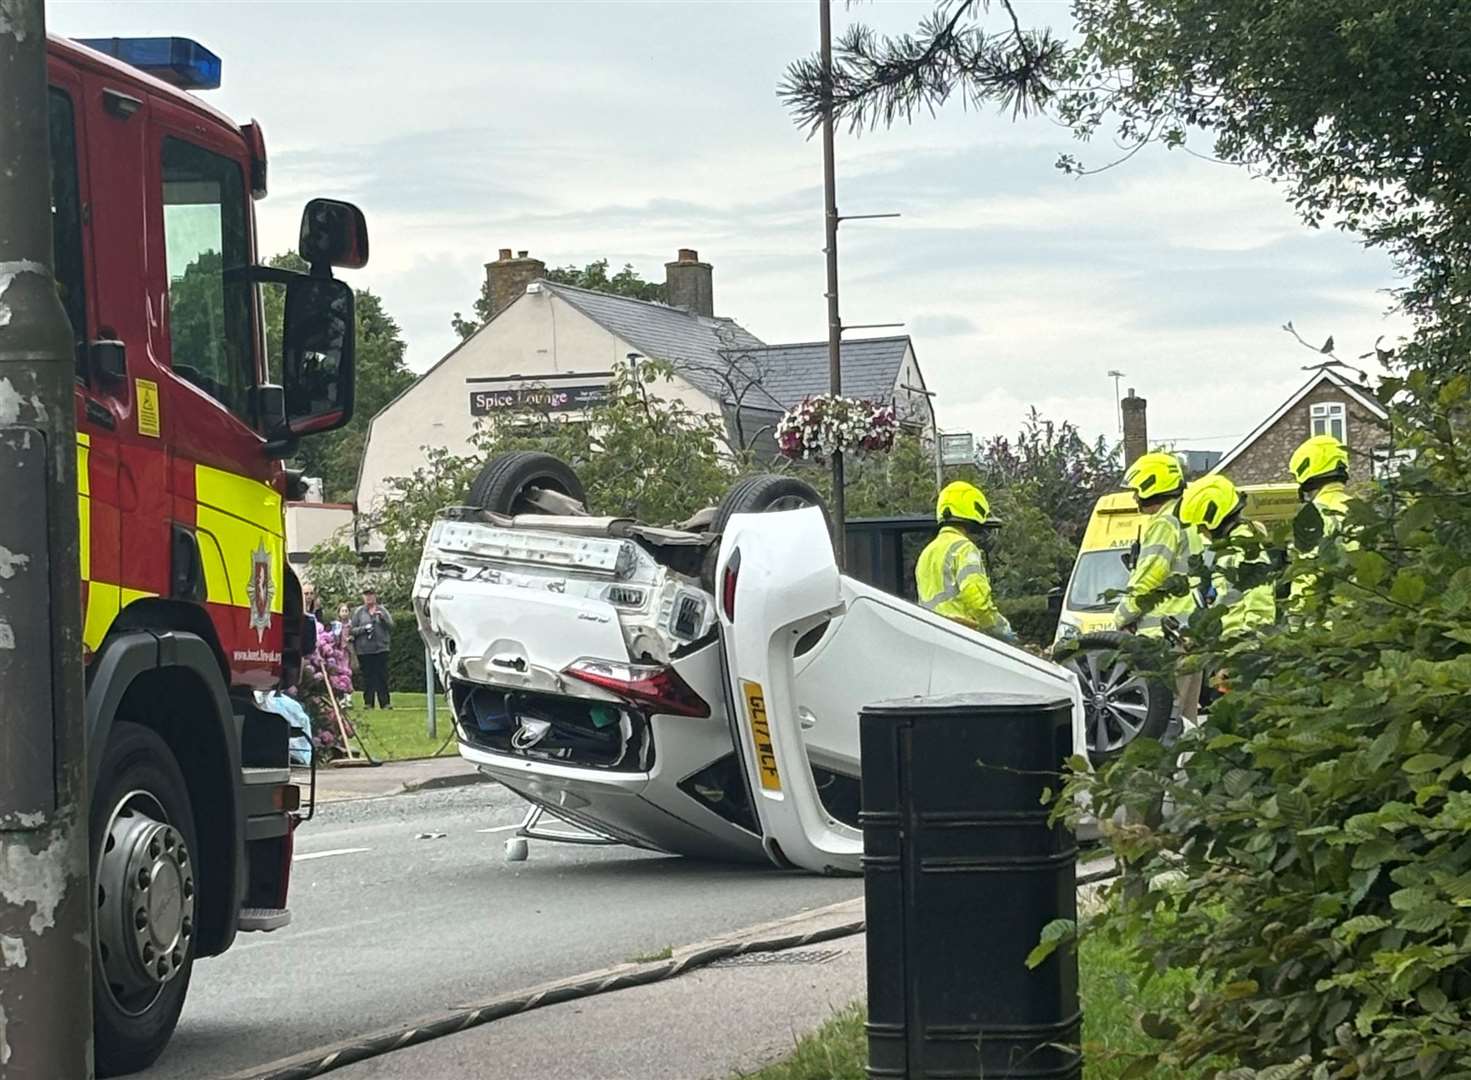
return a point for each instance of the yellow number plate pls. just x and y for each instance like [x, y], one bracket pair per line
[761, 731]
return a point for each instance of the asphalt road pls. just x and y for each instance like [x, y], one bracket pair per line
[392, 920]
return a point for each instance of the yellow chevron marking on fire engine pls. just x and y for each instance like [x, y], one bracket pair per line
[236, 518]
[227, 545]
[84, 505]
[212, 560]
[247, 499]
[103, 604]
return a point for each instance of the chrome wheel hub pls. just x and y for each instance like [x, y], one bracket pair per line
[145, 901]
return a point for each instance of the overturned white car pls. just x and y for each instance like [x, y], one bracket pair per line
[692, 690]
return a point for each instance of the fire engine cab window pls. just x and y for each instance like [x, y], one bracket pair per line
[66, 218]
[205, 236]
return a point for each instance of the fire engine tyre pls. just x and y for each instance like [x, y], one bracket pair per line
[143, 845]
[1119, 706]
[504, 480]
[766, 493]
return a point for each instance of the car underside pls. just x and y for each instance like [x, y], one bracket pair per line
[683, 690]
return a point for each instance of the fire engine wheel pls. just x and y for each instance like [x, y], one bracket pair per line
[142, 832]
[1119, 705]
[504, 481]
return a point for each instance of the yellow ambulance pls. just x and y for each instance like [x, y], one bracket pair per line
[1112, 530]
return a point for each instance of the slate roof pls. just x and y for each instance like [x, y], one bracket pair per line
[871, 367]
[713, 354]
[691, 343]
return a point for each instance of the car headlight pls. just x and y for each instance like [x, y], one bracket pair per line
[1066, 631]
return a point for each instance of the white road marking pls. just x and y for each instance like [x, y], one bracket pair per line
[304, 856]
[501, 828]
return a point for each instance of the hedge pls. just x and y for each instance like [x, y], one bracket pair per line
[1031, 620]
[405, 654]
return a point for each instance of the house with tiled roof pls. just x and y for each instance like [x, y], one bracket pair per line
[1326, 404]
[549, 348]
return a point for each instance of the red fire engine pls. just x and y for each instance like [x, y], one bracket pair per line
[183, 425]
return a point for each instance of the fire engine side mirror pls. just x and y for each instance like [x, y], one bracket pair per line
[333, 233]
[317, 355]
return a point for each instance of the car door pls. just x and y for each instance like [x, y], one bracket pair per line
[795, 703]
[776, 580]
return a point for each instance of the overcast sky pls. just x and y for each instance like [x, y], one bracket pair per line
[628, 130]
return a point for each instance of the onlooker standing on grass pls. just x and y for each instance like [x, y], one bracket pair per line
[312, 604]
[342, 636]
[371, 627]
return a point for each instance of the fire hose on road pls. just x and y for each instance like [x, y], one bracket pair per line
[325, 1059]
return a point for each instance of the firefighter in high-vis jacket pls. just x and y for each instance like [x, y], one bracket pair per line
[1320, 467]
[951, 572]
[1213, 505]
[1165, 547]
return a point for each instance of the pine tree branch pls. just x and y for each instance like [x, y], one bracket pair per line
[877, 81]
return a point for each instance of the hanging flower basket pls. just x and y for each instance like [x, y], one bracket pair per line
[822, 425]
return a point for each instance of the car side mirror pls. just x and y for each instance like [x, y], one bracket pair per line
[318, 341]
[1054, 603]
[333, 233]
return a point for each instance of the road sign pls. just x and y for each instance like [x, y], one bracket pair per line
[958, 449]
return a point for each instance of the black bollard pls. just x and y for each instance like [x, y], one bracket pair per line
[961, 872]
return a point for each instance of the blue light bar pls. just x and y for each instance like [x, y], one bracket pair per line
[179, 61]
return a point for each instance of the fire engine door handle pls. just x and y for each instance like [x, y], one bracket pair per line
[101, 415]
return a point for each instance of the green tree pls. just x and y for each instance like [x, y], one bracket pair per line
[1357, 108]
[639, 455]
[381, 374]
[1315, 874]
[594, 275]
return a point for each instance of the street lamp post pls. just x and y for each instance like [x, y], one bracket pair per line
[45, 896]
[834, 322]
[1118, 408]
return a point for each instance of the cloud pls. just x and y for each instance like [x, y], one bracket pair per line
[941, 324]
[627, 131]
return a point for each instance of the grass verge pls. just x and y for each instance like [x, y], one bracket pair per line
[401, 732]
[1112, 1005]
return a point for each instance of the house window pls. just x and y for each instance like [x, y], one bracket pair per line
[1331, 418]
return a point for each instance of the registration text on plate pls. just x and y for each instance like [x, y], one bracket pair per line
[761, 735]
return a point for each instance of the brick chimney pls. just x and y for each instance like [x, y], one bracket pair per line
[508, 277]
[688, 284]
[1136, 429]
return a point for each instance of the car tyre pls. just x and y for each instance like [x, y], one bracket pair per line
[1119, 706]
[505, 480]
[762, 493]
[766, 493]
[141, 799]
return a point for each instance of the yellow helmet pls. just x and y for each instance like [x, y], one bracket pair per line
[1155, 474]
[1209, 501]
[1318, 457]
[960, 501]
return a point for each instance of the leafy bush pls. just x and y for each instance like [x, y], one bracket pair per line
[329, 664]
[1316, 870]
[406, 654]
[1030, 618]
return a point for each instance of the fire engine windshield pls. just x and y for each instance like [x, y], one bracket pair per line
[205, 233]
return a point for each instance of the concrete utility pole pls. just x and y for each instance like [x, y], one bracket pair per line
[834, 322]
[45, 894]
